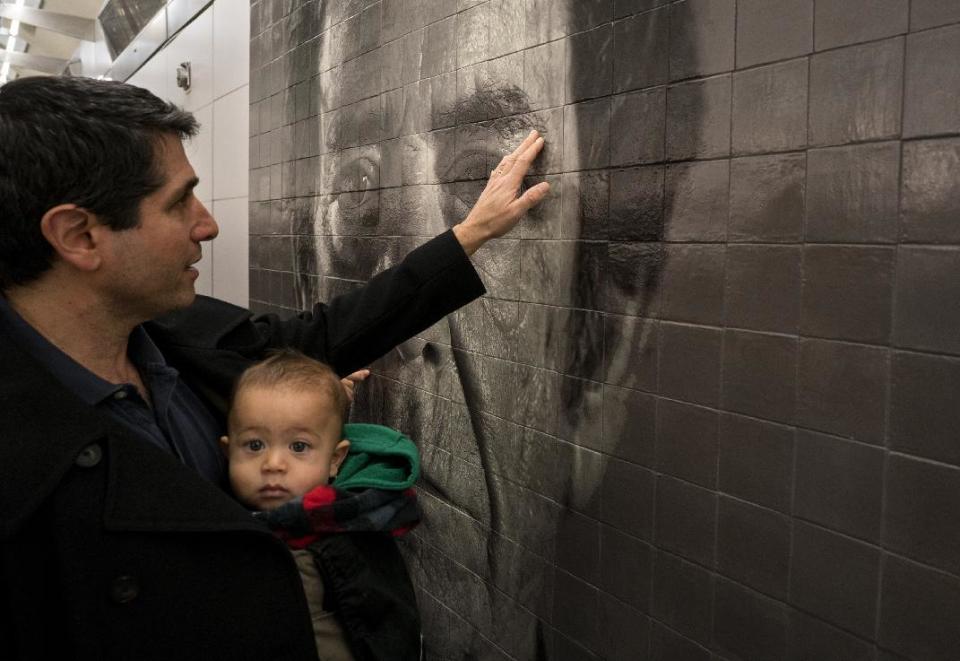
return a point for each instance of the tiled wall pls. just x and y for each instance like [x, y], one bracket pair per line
[219, 56]
[709, 407]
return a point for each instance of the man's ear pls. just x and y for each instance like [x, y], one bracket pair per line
[339, 454]
[72, 232]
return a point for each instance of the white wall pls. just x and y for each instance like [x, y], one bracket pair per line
[216, 43]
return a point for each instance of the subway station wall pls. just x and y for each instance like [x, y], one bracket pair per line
[708, 409]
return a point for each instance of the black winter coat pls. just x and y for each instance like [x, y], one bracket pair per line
[112, 549]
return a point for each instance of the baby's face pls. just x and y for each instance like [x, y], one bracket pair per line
[282, 443]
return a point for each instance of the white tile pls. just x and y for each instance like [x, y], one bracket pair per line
[231, 147]
[200, 152]
[194, 44]
[153, 75]
[204, 284]
[231, 252]
[231, 46]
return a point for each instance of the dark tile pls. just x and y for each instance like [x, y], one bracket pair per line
[839, 484]
[581, 412]
[698, 195]
[692, 283]
[578, 546]
[690, 363]
[686, 520]
[586, 135]
[852, 193]
[843, 22]
[632, 273]
[855, 93]
[767, 198]
[753, 547]
[585, 15]
[847, 292]
[919, 611]
[930, 196]
[762, 290]
[626, 568]
[842, 389]
[687, 442]
[638, 119]
[702, 37]
[922, 514]
[636, 204]
[932, 90]
[698, 119]
[924, 416]
[566, 340]
[668, 645]
[627, 498]
[928, 288]
[756, 461]
[835, 578]
[629, 425]
[544, 74]
[632, 343]
[624, 631]
[759, 375]
[810, 639]
[749, 626]
[683, 597]
[590, 64]
[582, 622]
[770, 108]
[769, 30]
[930, 13]
[641, 51]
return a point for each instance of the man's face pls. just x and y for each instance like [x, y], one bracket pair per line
[283, 442]
[151, 266]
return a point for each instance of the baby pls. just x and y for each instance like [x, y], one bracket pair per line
[337, 494]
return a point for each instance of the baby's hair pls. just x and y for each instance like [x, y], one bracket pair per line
[289, 368]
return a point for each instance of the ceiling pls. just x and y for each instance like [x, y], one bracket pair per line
[45, 42]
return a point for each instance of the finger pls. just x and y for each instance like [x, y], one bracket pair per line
[508, 161]
[525, 159]
[532, 197]
[356, 377]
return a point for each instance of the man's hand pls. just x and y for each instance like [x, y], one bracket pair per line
[350, 382]
[499, 209]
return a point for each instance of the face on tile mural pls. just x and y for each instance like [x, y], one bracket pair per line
[740, 294]
[522, 401]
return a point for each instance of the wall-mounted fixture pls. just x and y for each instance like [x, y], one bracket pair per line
[183, 76]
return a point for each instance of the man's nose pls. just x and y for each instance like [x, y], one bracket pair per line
[206, 227]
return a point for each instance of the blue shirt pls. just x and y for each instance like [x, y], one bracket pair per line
[177, 422]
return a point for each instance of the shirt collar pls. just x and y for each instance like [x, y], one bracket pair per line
[89, 387]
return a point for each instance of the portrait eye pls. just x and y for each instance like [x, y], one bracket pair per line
[354, 182]
[299, 446]
[253, 444]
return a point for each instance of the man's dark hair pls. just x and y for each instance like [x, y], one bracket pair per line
[79, 141]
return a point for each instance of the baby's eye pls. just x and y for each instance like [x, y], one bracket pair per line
[299, 446]
[254, 444]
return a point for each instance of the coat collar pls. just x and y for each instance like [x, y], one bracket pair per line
[44, 427]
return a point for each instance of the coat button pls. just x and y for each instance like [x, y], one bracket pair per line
[89, 456]
[124, 589]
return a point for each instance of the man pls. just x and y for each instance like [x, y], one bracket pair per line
[117, 540]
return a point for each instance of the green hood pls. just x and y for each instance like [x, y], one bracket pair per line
[379, 458]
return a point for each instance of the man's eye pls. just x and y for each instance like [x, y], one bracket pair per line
[299, 446]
